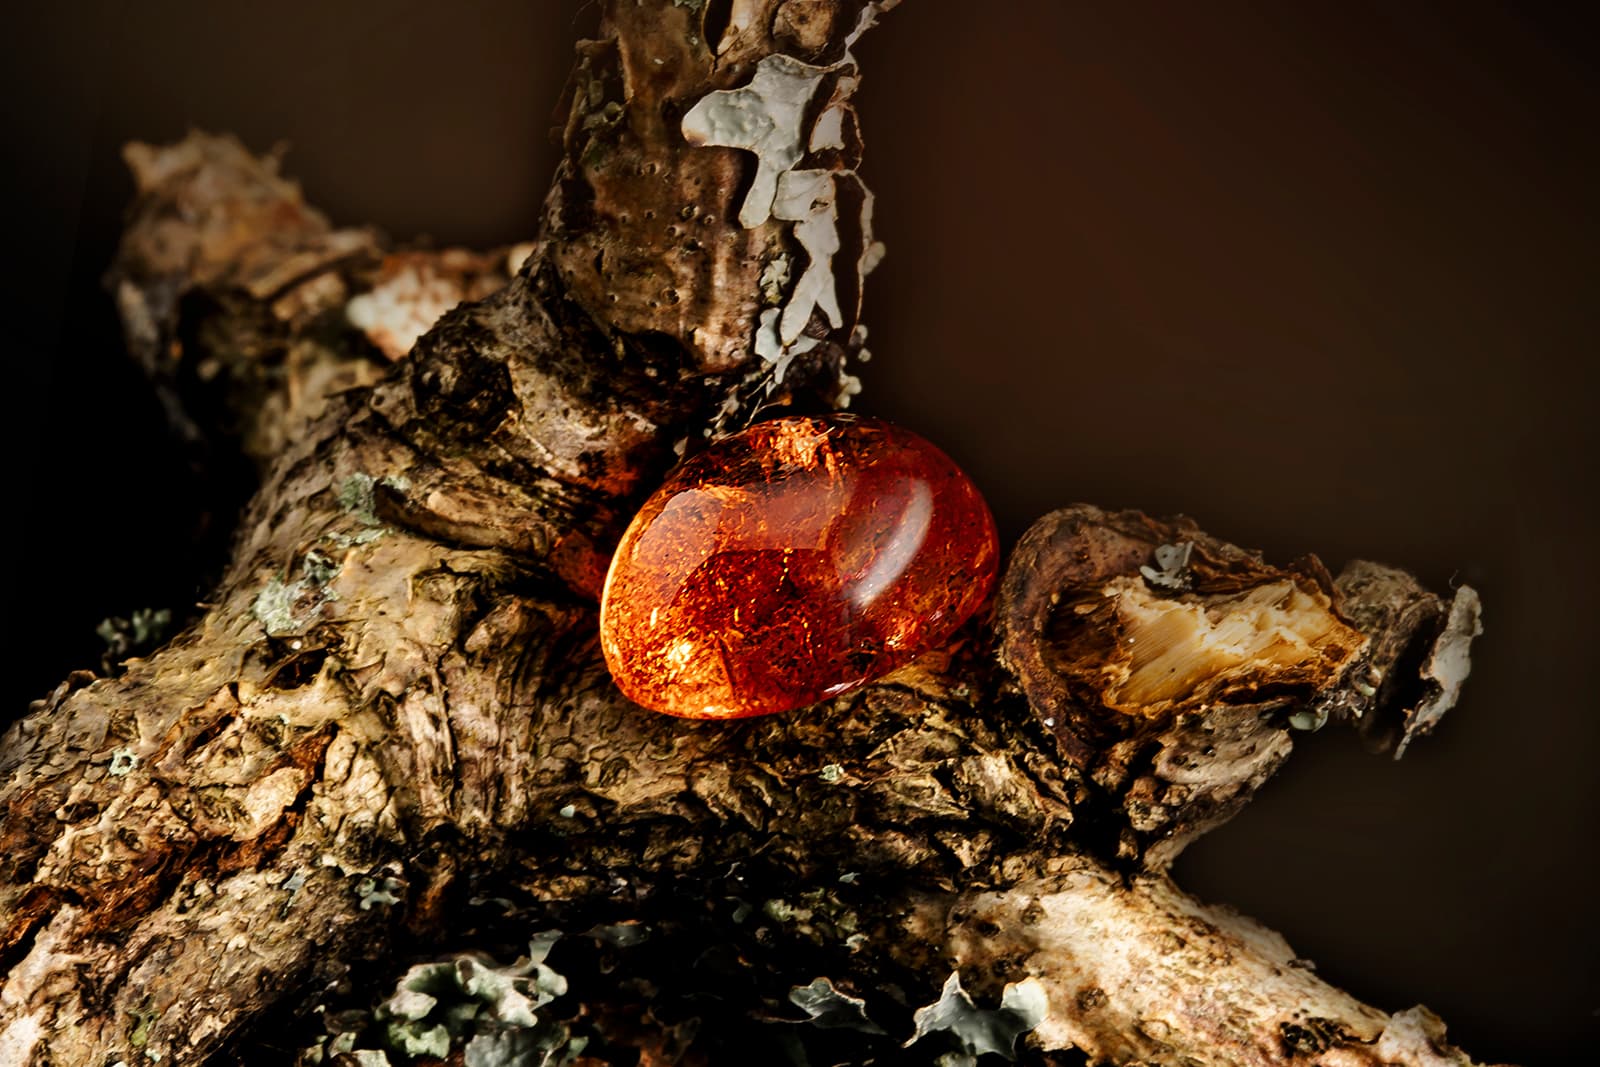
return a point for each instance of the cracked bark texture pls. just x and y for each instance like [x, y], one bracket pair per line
[396, 693]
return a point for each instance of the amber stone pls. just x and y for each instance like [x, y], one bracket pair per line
[793, 562]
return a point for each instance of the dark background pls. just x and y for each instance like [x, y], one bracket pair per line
[1323, 276]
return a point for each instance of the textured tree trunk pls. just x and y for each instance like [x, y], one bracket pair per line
[393, 706]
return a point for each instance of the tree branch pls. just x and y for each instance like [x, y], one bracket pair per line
[396, 694]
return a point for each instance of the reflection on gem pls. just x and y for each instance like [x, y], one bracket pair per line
[793, 562]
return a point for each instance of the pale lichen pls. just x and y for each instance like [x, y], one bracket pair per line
[1309, 720]
[287, 608]
[763, 117]
[466, 1006]
[808, 198]
[770, 347]
[817, 914]
[379, 890]
[774, 279]
[358, 498]
[782, 911]
[766, 117]
[830, 1009]
[829, 130]
[292, 886]
[144, 628]
[1170, 573]
[978, 1031]
[274, 606]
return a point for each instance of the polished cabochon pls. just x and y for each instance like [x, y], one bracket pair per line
[790, 563]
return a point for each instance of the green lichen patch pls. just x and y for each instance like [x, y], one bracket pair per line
[358, 498]
[319, 569]
[817, 914]
[977, 1031]
[830, 1009]
[467, 1005]
[138, 634]
[285, 608]
[374, 891]
[641, 983]
[143, 1019]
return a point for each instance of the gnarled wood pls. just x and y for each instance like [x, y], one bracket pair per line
[395, 692]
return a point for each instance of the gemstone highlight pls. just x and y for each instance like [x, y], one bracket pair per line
[792, 562]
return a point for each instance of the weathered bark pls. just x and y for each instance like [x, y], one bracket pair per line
[395, 693]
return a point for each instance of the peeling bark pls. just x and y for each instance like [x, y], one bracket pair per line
[1136, 972]
[395, 697]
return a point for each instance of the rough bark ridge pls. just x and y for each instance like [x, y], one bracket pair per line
[395, 698]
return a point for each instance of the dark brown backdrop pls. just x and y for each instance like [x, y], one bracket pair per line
[1322, 276]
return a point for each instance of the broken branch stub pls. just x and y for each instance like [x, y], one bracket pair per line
[231, 290]
[1417, 659]
[1172, 668]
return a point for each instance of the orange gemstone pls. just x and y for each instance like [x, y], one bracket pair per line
[790, 563]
